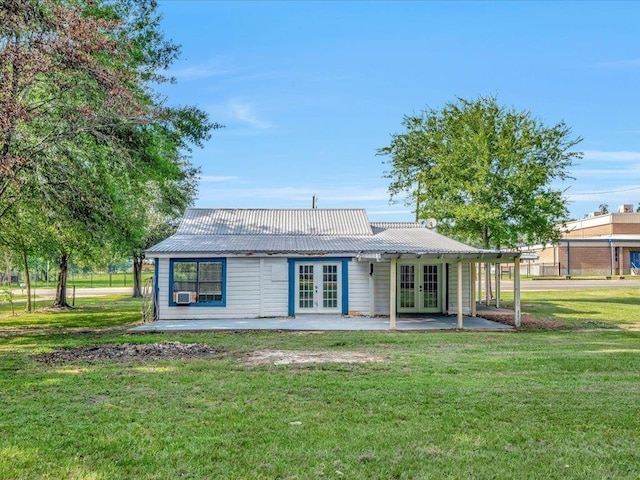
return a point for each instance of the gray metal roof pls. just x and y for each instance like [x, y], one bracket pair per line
[305, 232]
[238, 221]
[378, 227]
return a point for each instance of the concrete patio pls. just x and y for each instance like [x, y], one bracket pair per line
[324, 322]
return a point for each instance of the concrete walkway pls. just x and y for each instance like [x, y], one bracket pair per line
[323, 322]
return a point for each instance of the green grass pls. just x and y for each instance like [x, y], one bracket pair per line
[95, 280]
[588, 308]
[560, 404]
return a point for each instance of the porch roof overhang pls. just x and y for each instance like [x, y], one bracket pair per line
[407, 243]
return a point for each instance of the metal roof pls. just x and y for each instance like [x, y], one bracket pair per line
[378, 227]
[306, 232]
[238, 221]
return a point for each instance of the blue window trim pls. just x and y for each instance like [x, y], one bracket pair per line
[222, 303]
[345, 280]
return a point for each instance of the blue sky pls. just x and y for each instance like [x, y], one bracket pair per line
[308, 91]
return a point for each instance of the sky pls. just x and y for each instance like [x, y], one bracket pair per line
[309, 91]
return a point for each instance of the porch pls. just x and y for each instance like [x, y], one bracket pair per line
[325, 323]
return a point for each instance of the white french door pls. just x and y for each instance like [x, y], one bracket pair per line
[419, 288]
[318, 287]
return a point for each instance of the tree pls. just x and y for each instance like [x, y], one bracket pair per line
[80, 124]
[603, 209]
[488, 174]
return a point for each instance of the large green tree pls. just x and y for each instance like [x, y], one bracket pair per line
[492, 176]
[82, 128]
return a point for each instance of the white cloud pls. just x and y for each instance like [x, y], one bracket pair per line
[217, 178]
[295, 196]
[614, 156]
[240, 113]
[247, 114]
[213, 68]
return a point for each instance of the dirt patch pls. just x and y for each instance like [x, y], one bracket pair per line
[178, 350]
[127, 351]
[526, 320]
[303, 357]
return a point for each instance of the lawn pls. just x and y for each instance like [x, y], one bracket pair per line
[536, 404]
[588, 308]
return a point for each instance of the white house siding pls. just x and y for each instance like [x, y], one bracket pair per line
[453, 289]
[358, 288]
[381, 287]
[243, 292]
[275, 286]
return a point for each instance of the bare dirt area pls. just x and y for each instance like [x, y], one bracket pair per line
[131, 352]
[526, 320]
[178, 350]
[302, 357]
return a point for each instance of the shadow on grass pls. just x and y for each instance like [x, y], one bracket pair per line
[105, 312]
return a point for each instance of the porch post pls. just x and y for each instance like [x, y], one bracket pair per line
[516, 292]
[479, 266]
[472, 292]
[487, 282]
[498, 271]
[460, 318]
[392, 293]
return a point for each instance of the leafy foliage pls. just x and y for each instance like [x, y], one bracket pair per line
[487, 173]
[84, 138]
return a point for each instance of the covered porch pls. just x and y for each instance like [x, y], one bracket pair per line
[325, 323]
[467, 272]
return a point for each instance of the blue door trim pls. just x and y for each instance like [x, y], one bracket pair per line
[292, 280]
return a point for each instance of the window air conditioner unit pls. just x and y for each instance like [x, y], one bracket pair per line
[183, 298]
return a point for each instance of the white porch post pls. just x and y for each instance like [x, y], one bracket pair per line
[393, 280]
[498, 271]
[487, 282]
[472, 292]
[479, 281]
[516, 291]
[460, 318]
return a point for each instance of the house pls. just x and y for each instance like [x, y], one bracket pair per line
[600, 244]
[249, 263]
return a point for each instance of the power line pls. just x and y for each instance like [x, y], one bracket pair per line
[605, 192]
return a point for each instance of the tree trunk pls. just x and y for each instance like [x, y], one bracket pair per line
[27, 280]
[137, 275]
[7, 264]
[61, 287]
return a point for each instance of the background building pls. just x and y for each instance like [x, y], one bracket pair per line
[599, 244]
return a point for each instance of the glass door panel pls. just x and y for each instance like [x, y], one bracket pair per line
[318, 287]
[406, 288]
[430, 287]
[305, 287]
[330, 286]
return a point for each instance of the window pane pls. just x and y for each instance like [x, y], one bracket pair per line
[185, 276]
[203, 278]
[210, 272]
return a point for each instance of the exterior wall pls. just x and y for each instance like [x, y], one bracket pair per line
[452, 307]
[603, 225]
[358, 288]
[381, 287]
[259, 287]
[254, 287]
[585, 260]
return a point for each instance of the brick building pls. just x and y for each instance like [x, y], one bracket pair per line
[598, 244]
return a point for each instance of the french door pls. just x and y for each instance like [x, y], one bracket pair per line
[419, 288]
[318, 287]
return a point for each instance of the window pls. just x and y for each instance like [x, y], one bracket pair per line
[203, 279]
